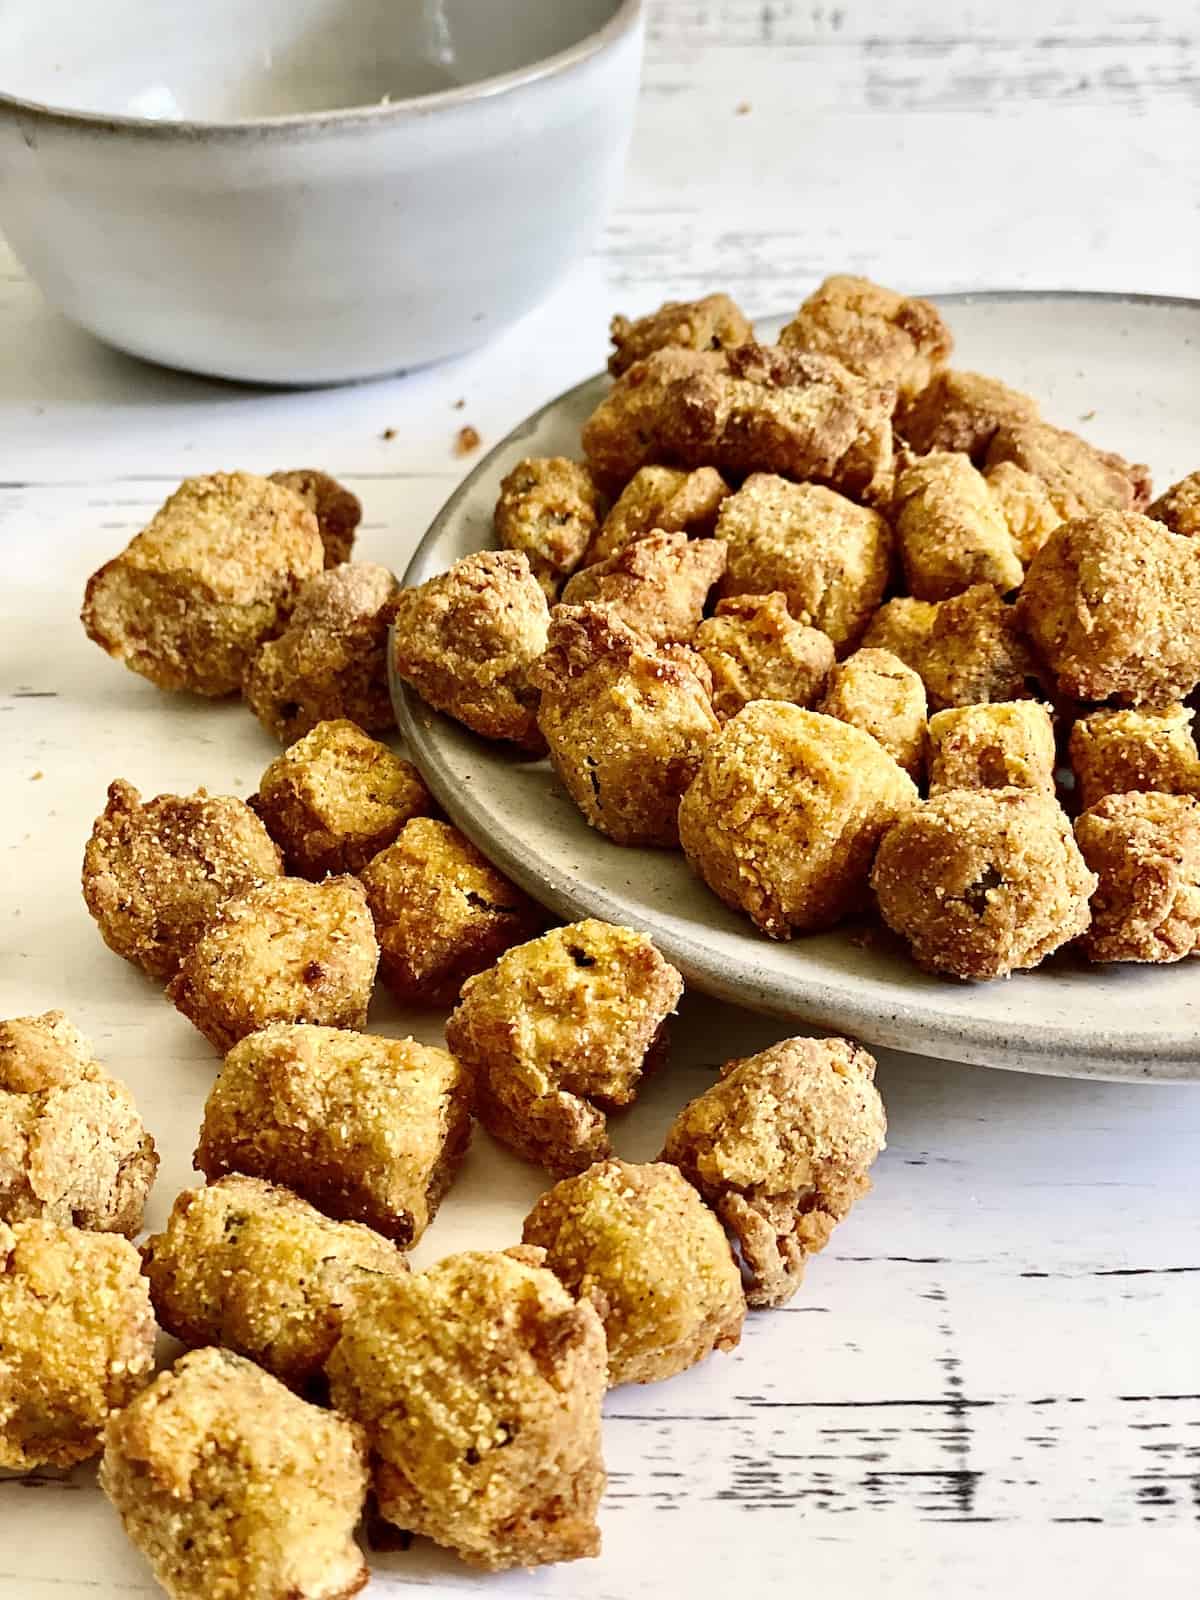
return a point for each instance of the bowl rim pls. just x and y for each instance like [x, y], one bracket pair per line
[623, 22]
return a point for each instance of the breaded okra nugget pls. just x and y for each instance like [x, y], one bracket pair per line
[72, 1145]
[466, 640]
[950, 529]
[286, 951]
[1179, 506]
[875, 691]
[875, 332]
[480, 1384]
[235, 1489]
[1118, 752]
[756, 650]
[190, 599]
[155, 875]
[782, 819]
[626, 721]
[658, 584]
[961, 411]
[1026, 506]
[365, 1128]
[713, 323]
[1145, 850]
[780, 1147]
[338, 512]
[1080, 479]
[640, 1244]
[1004, 745]
[660, 497]
[983, 882]
[967, 649]
[560, 1031]
[549, 509]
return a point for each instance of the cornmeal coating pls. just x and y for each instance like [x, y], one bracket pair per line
[1179, 506]
[442, 912]
[1004, 745]
[76, 1340]
[480, 1384]
[660, 497]
[338, 512]
[962, 411]
[560, 1031]
[783, 816]
[639, 1244]
[1112, 604]
[336, 798]
[190, 598]
[1118, 752]
[875, 332]
[155, 875]
[874, 690]
[254, 1268]
[658, 584]
[466, 640]
[626, 721]
[950, 529]
[756, 409]
[550, 509]
[1026, 506]
[72, 1146]
[983, 882]
[235, 1489]
[1080, 479]
[1145, 850]
[713, 323]
[756, 650]
[367, 1129]
[830, 558]
[968, 650]
[286, 951]
[331, 659]
[780, 1147]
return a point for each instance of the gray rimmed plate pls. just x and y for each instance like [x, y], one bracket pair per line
[1122, 369]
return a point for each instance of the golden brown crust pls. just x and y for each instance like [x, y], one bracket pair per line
[1080, 479]
[968, 649]
[657, 583]
[660, 497]
[983, 882]
[338, 512]
[1005, 745]
[155, 875]
[1026, 506]
[950, 530]
[756, 650]
[286, 951]
[232, 1487]
[781, 1147]
[874, 690]
[365, 1128]
[549, 509]
[873, 331]
[962, 411]
[1179, 506]
[560, 1030]
[1145, 849]
[713, 323]
[1119, 752]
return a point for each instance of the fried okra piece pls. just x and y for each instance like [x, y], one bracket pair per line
[1119, 752]
[549, 509]
[983, 882]
[286, 951]
[466, 640]
[252, 1267]
[875, 332]
[231, 1486]
[874, 690]
[783, 817]
[1145, 851]
[830, 558]
[660, 497]
[480, 1383]
[1179, 507]
[658, 584]
[1112, 604]
[331, 659]
[1025, 505]
[76, 1340]
[967, 649]
[626, 721]
[757, 409]
[713, 323]
[1004, 745]
[756, 650]
[72, 1146]
[962, 411]
[639, 1244]
[338, 512]
[190, 599]
[366, 1129]
[950, 530]
[780, 1147]
[442, 912]
[336, 798]
[1080, 479]
[560, 1031]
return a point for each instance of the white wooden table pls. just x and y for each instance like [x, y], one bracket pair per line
[990, 1384]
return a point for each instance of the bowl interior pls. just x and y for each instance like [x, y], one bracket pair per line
[226, 61]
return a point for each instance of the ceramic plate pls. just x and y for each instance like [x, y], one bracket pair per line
[1123, 370]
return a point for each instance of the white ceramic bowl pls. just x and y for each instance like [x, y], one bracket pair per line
[308, 191]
